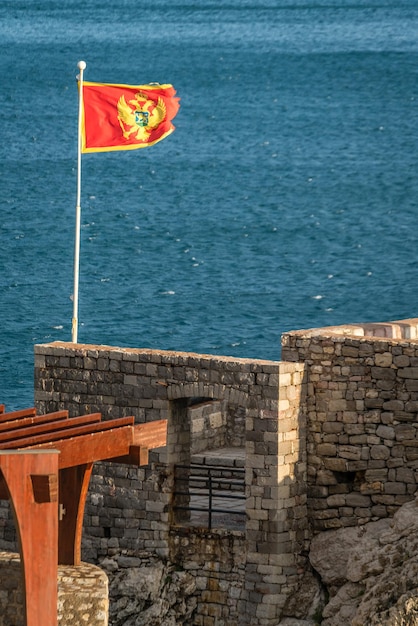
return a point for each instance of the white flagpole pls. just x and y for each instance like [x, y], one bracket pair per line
[81, 66]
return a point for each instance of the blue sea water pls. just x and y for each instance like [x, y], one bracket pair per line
[286, 198]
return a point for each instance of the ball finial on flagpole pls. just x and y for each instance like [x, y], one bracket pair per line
[81, 65]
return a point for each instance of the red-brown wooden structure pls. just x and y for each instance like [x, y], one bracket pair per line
[45, 466]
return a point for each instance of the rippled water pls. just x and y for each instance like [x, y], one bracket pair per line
[286, 197]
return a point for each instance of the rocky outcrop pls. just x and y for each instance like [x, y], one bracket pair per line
[145, 591]
[368, 574]
[360, 576]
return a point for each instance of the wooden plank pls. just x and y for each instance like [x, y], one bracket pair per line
[151, 434]
[15, 415]
[2, 408]
[146, 437]
[118, 445]
[36, 419]
[21, 438]
[137, 456]
[90, 447]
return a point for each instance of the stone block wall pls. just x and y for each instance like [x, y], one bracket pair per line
[207, 426]
[276, 526]
[216, 560]
[127, 510]
[130, 509]
[82, 594]
[292, 468]
[330, 436]
[214, 425]
[362, 407]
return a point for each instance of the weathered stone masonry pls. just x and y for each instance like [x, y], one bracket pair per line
[82, 594]
[362, 405]
[129, 509]
[330, 439]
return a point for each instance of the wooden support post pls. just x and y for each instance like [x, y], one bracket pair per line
[31, 480]
[80, 442]
[73, 488]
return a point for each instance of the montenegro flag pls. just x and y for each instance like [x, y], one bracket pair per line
[125, 117]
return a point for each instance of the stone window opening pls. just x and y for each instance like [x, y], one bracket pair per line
[208, 467]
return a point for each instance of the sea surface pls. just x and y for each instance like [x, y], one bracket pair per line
[286, 198]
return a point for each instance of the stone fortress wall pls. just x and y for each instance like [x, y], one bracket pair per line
[209, 401]
[328, 434]
[362, 404]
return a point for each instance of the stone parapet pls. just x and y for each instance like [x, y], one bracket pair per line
[362, 405]
[139, 382]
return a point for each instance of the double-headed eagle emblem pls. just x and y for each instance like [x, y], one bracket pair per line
[140, 116]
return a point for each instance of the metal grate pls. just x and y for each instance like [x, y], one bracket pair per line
[211, 496]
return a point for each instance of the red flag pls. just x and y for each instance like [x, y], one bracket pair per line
[126, 117]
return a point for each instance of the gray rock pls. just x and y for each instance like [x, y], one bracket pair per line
[371, 572]
[291, 621]
[150, 595]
